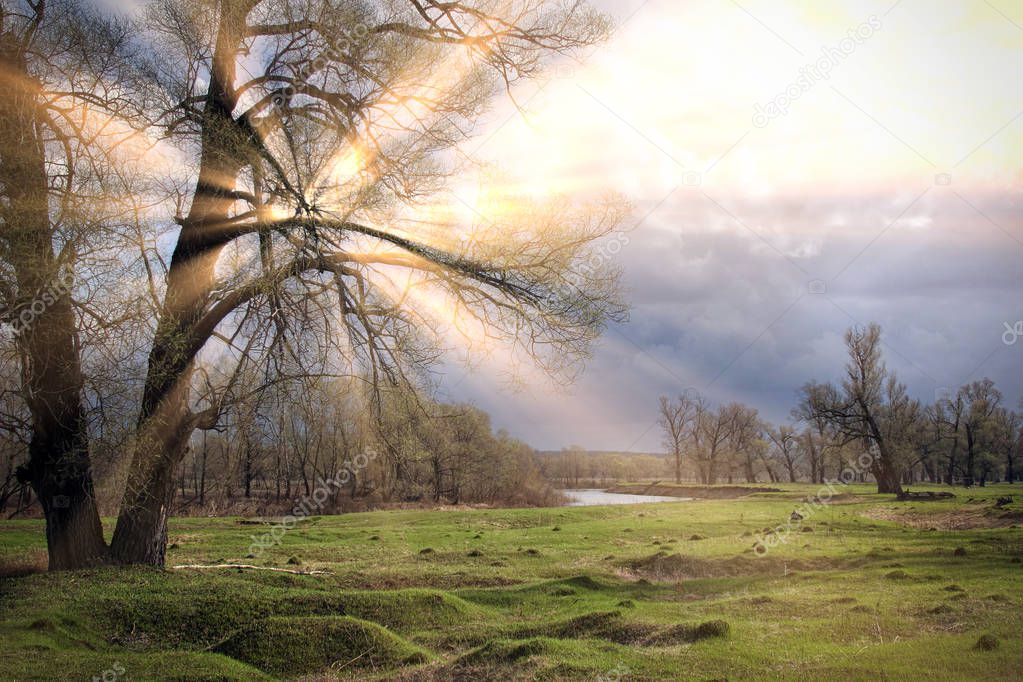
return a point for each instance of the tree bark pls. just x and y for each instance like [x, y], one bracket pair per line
[888, 479]
[884, 468]
[58, 468]
[971, 456]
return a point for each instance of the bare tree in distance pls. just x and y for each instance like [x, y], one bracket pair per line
[786, 446]
[818, 436]
[677, 419]
[980, 405]
[745, 436]
[713, 429]
[870, 408]
[947, 418]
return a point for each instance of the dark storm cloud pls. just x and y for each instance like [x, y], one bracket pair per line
[731, 311]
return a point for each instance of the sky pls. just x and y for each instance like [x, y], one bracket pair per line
[794, 168]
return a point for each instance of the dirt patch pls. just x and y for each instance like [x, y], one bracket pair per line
[709, 492]
[841, 498]
[963, 518]
[33, 562]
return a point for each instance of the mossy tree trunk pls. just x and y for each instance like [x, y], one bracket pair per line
[58, 467]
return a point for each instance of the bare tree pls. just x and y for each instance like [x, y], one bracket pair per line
[1015, 446]
[818, 437]
[948, 418]
[744, 438]
[61, 124]
[786, 448]
[316, 160]
[710, 436]
[980, 424]
[677, 419]
[870, 408]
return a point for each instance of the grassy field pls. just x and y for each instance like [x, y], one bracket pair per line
[866, 588]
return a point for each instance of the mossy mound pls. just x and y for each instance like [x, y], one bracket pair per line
[158, 666]
[664, 566]
[60, 648]
[399, 610]
[585, 582]
[608, 625]
[169, 619]
[506, 651]
[302, 645]
[987, 643]
[687, 633]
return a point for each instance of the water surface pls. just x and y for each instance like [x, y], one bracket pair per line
[589, 497]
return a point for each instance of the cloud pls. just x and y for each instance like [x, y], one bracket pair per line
[889, 192]
[719, 310]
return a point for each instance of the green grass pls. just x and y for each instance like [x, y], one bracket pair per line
[877, 590]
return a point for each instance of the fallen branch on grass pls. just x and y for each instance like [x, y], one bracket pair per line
[925, 495]
[251, 567]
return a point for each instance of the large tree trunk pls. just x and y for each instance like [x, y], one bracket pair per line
[58, 467]
[750, 468]
[885, 468]
[971, 458]
[888, 479]
[816, 459]
[165, 423]
[712, 469]
[140, 536]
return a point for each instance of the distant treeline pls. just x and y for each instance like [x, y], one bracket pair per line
[866, 427]
[313, 441]
[574, 467]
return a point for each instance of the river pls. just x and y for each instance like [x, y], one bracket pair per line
[590, 497]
